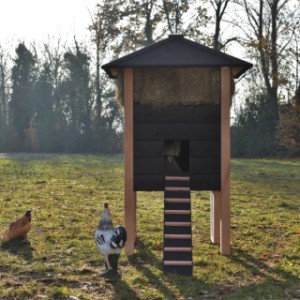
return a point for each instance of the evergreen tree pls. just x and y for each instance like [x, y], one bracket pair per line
[76, 95]
[253, 130]
[21, 108]
[44, 114]
[53, 55]
[3, 98]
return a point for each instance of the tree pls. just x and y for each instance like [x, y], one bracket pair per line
[3, 97]
[271, 23]
[126, 25]
[267, 35]
[138, 21]
[76, 94]
[44, 120]
[131, 24]
[52, 59]
[288, 131]
[250, 131]
[220, 7]
[21, 108]
[174, 11]
[103, 31]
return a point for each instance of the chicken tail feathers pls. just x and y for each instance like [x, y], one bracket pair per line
[118, 238]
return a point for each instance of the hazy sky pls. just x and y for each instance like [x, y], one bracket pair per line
[28, 20]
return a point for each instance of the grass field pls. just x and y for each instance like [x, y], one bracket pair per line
[67, 194]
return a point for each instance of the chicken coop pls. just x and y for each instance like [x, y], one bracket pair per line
[176, 95]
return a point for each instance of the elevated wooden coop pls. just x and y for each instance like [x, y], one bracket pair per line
[177, 96]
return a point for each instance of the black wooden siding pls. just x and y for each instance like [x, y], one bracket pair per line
[200, 125]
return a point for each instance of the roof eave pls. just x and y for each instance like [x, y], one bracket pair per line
[113, 71]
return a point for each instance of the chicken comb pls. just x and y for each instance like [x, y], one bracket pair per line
[106, 205]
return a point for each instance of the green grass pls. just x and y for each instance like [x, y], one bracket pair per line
[67, 194]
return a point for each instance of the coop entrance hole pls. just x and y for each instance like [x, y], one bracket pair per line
[177, 156]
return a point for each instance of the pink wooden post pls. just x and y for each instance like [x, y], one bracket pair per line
[225, 160]
[130, 194]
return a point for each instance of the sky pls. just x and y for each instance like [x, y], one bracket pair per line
[36, 20]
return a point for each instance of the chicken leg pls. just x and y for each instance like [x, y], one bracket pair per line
[108, 266]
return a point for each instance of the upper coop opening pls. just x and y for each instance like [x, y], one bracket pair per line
[161, 87]
[175, 71]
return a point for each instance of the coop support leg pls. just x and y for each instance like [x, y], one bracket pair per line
[225, 160]
[130, 221]
[215, 206]
[130, 194]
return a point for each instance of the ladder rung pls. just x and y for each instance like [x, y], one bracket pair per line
[178, 236]
[177, 189]
[178, 263]
[177, 200]
[177, 178]
[177, 212]
[178, 224]
[178, 249]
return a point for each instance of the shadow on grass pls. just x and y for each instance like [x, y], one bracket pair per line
[258, 267]
[272, 281]
[122, 291]
[140, 261]
[186, 285]
[19, 247]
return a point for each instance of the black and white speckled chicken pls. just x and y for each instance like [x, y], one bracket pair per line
[109, 240]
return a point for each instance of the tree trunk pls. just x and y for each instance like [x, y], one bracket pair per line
[297, 96]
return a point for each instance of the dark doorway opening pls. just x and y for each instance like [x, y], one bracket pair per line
[177, 156]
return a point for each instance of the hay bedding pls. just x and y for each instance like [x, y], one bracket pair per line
[162, 87]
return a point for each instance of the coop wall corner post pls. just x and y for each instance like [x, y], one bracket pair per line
[225, 248]
[130, 194]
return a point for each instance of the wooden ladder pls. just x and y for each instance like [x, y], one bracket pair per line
[177, 226]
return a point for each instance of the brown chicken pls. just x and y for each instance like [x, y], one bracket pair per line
[19, 228]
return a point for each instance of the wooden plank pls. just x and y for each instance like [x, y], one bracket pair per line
[177, 212]
[177, 189]
[129, 195]
[177, 236]
[149, 165]
[177, 200]
[149, 182]
[178, 263]
[148, 148]
[176, 131]
[205, 148]
[184, 113]
[178, 224]
[205, 165]
[205, 182]
[177, 178]
[178, 249]
[226, 79]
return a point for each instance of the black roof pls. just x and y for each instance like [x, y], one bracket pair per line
[176, 51]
